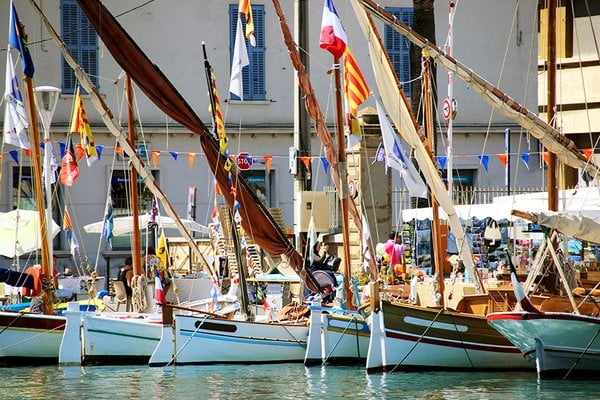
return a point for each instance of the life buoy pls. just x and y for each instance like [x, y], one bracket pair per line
[36, 273]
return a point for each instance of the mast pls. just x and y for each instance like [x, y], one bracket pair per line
[343, 171]
[34, 139]
[551, 102]
[450, 99]
[136, 245]
[435, 225]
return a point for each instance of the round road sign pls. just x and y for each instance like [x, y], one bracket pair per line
[244, 161]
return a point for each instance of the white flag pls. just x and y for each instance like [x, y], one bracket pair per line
[239, 61]
[312, 239]
[396, 157]
[15, 115]
[365, 237]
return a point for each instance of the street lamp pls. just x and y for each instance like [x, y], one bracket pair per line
[46, 98]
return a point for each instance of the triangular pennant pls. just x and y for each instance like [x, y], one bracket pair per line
[588, 153]
[27, 152]
[442, 161]
[155, 156]
[174, 154]
[485, 160]
[119, 150]
[62, 146]
[268, 162]
[306, 161]
[218, 189]
[15, 155]
[525, 158]
[325, 164]
[99, 149]
[191, 159]
[546, 157]
[503, 158]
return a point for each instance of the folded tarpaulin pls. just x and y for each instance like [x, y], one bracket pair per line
[15, 278]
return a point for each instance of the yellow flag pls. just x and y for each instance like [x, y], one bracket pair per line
[161, 250]
[80, 124]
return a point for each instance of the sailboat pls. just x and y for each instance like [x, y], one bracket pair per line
[285, 342]
[560, 344]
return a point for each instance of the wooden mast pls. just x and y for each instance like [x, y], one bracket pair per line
[343, 170]
[435, 224]
[34, 139]
[136, 245]
[551, 103]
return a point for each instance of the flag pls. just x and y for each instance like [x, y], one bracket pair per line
[159, 292]
[80, 124]
[69, 171]
[219, 124]
[68, 227]
[333, 36]
[238, 62]
[379, 154]
[214, 293]
[396, 157]
[53, 164]
[107, 227]
[485, 160]
[525, 158]
[161, 250]
[18, 40]
[153, 212]
[16, 121]
[246, 9]
[312, 239]
[355, 87]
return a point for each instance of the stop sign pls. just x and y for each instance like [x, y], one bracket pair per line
[244, 161]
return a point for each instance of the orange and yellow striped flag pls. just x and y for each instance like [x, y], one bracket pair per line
[355, 87]
[80, 125]
[246, 9]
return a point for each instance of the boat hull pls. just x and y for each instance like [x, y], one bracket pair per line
[559, 344]
[202, 340]
[30, 339]
[336, 337]
[119, 338]
[406, 337]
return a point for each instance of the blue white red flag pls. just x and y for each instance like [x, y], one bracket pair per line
[333, 37]
[159, 292]
[16, 121]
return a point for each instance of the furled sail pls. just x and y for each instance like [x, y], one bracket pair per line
[256, 220]
[399, 111]
[551, 138]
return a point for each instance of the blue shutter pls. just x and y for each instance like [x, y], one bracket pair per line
[398, 46]
[254, 74]
[81, 41]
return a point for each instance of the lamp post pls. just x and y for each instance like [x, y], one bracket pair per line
[46, 98]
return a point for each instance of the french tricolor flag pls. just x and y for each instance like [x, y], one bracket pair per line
[159, 292]
[333, 36]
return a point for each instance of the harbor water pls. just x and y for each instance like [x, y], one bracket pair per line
[281, 381]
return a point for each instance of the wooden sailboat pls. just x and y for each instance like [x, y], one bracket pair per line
[30, 338]
[405, 336]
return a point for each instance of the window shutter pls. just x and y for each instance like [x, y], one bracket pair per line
[398, 46]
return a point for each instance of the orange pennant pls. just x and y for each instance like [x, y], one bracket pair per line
[119, 150]
[191, 159]
[268, 162]
[80, 151]
[546, 156]
[588, 153]
[155, 155]
[306, 162]
[503, 158]
[28, 152]
[218, 189]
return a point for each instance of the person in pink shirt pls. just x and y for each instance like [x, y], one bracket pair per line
[395, 249]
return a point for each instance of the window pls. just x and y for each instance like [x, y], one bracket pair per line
[398, 47]
[81, 41]
[262, 185]
[253, 75]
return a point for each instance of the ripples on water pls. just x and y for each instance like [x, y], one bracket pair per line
[282, 381]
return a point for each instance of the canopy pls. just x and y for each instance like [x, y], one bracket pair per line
[124, 225]
[20, 232]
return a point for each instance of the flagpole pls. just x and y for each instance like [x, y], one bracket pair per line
[343, 171]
